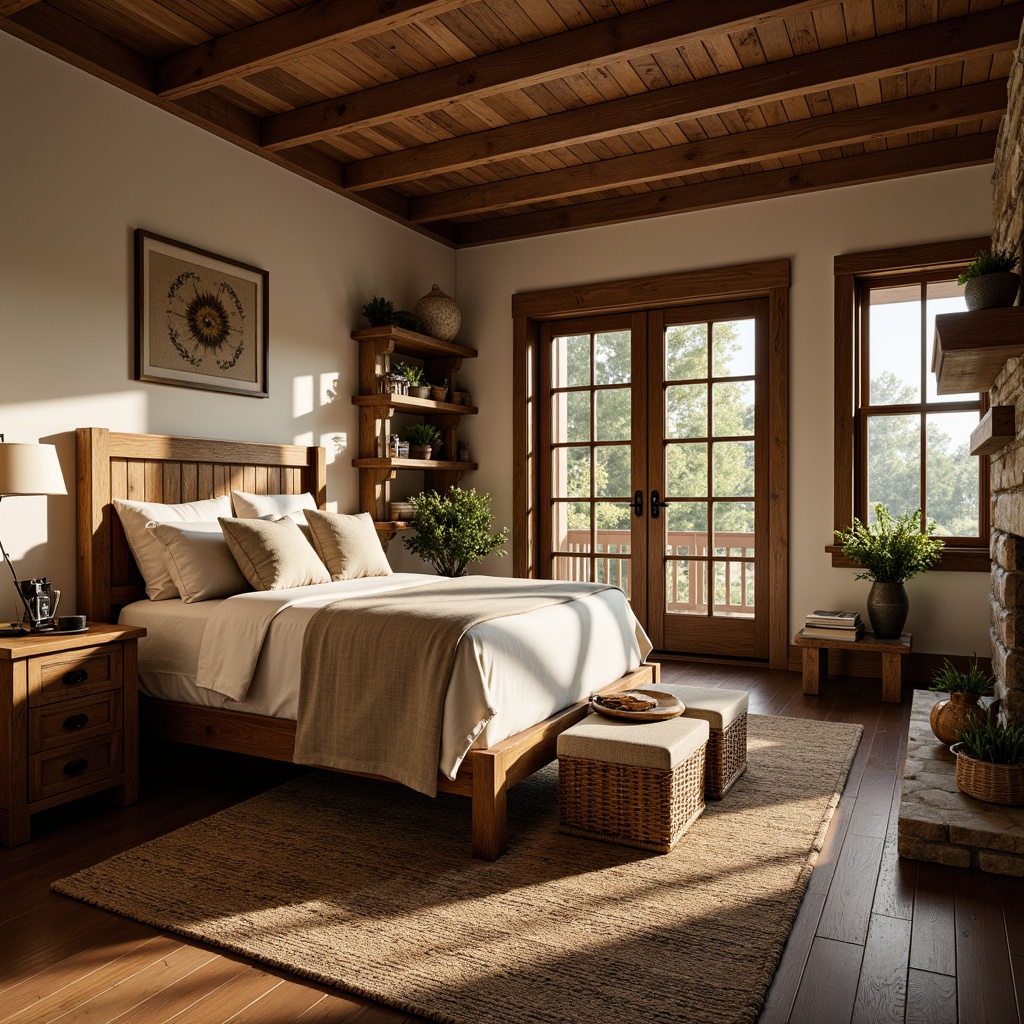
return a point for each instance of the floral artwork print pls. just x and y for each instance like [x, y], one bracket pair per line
[209, 325]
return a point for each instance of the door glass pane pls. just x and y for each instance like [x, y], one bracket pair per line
[734, 588]
[686, 587]
[686, 470]
[612, 472]
[571, 525]
[941, 297]
[732, 343]
[687, 524]
[570, 567]
[613, 544]
[733, 405]
[613, 352]
[571, 361]
[734, 529]
[571, 412]
[894, 361]
[686, 410]
[952, 489]
[686, 352]
[894, 463]
[733, 469]
[571, 472]
[613, 415]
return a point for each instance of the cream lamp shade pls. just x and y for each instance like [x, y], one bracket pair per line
[30, 469]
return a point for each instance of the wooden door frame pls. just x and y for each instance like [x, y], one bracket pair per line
[753, 280]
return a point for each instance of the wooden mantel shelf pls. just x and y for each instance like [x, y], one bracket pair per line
[970, 349]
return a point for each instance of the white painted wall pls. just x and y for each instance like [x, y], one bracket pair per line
[82, 165]
[949, 611]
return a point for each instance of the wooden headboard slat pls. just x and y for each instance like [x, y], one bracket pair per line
[167, 469]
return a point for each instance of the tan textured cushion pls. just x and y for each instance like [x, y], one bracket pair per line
[135, 516]
[347, 545]
[641, 744]
[258, 506]
[719, 708]
[199, 560]
[273, 556]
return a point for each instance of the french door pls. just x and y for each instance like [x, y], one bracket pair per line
[653, 469]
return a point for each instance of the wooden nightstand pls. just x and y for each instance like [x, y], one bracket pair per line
[68, 721]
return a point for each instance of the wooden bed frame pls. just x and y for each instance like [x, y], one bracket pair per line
[164, 468]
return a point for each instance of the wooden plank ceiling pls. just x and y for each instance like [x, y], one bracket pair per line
[489, 120]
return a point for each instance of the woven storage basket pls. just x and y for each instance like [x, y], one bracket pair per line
[726, 758]
[993, 783]
[646, 807]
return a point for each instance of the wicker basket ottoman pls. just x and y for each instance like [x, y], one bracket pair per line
[634, 783]
[726, 712]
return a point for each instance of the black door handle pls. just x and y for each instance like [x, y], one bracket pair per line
[637, 504]
[657, 504]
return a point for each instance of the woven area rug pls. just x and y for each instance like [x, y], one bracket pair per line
[370, 887]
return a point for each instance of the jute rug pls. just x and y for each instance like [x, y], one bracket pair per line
[369, 887]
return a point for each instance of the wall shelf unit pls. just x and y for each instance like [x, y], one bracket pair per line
[441, 362]
[970, 349]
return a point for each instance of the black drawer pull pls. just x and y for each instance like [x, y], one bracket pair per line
[76, 767]
[79, 675]
[76, 722]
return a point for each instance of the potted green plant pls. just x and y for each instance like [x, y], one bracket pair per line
[990, 281]
[990, 761]
[418, 386]
[422, 438]
[454, 529]
[892, 551]
[965, 688]
[379, 311]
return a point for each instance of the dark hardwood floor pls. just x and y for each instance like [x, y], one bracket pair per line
[877, 939]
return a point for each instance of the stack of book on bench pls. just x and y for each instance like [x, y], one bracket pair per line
[826, 625]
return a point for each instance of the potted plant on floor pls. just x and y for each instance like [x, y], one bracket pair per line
[965, 688]
[990, 281]
[422, 438]
[454, 530]
[990, 761]
[892, 551]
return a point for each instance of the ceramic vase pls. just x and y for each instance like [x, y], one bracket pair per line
[888, 606]
[420, 451]
[957, 712]
[991, 291]
[439, 315]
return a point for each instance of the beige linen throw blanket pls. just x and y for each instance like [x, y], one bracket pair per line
[375, 671]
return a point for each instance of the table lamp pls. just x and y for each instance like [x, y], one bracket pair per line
[29, 469]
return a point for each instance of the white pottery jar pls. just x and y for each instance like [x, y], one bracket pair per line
[439, 315]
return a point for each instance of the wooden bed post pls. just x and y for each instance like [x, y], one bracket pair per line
[490, 804]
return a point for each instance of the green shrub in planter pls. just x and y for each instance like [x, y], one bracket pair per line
[423, 435]
[989, 740]
[453, 530]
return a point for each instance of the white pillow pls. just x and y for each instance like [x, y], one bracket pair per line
[347, 545]
[199, 560]
[259, 506]
[148, 551]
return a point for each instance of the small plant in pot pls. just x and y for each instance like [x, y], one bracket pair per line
[379, 311]
[965, 688]
[418, 386]
[990, 281]
[453, 530]
[422, 438]
[892, 550]
[990, 761]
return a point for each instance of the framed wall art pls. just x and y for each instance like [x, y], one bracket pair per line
[200, 319]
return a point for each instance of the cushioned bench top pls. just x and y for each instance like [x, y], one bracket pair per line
[640, 744]
[719, 708]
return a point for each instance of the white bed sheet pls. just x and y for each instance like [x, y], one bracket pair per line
[509, 673]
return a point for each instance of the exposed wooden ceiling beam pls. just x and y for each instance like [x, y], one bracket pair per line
[300, 32]
[860, 124]
[9, 7]
[629, 36]
[955, 39]
[947, 154]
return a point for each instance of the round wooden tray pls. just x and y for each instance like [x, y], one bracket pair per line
[669, 706]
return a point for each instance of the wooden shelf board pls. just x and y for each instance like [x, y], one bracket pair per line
[970, 349]
[410, 343]
[997, 428]
[392, 526]
[461, 467]
[424, 406]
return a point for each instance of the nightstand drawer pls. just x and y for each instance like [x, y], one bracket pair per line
[69, 768]
[73, 721]
[73, 674]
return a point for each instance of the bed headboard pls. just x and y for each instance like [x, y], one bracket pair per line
[165, 468]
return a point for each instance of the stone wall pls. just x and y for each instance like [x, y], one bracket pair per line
[1007, 465]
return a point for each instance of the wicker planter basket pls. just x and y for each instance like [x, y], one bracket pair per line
[993, 783]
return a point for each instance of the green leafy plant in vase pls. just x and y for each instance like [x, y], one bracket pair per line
[422, 438]
[379, 311]
[990, 761]
[990, 281]
[454, 530]
[418, 386]
[965, 688]
[892, 550]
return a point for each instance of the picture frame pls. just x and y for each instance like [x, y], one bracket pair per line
[201, 320]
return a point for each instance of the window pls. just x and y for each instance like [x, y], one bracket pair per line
[897, 440]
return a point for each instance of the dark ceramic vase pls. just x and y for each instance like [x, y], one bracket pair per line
[888, 606]
[991, 291]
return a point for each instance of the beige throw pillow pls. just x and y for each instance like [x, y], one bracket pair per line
[199, 560]
[135, 516]
[347, 545]
[273, 555]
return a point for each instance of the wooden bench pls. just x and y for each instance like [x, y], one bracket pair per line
[815, 660]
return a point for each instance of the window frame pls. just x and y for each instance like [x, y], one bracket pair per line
[852, 273]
